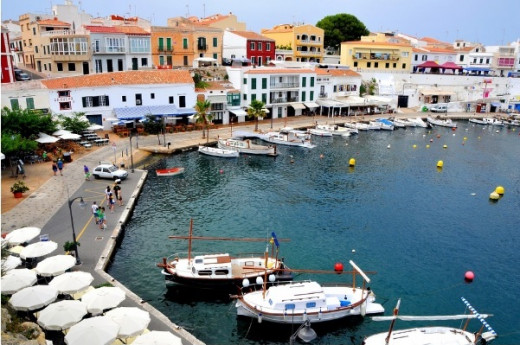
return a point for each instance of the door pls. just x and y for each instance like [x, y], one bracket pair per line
[134, 64]
[86, 68]
[120, 65]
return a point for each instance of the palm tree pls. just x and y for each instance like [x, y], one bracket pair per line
[202, 115]
[256, 109]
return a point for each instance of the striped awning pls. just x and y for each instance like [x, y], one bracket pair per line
[131, 113]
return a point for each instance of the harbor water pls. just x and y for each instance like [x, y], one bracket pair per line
[418, 227]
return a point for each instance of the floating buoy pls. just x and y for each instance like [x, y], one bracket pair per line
[440, 164]
[469, 276]
[494, 196]
[388, 146]
[353, 250]
[431, 140]
[438, 136]
[444, 146]
[465, 138]
[321, 156]
[338, 267]
[292, 161]
[352, 162]
[473, 194]
[500, 190]
[414, 146]
[454, 128]
[221, 171]
[427, 146]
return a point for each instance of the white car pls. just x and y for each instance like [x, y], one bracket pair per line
[109, 171]
[439, 108]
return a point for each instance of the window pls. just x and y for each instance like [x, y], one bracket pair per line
[65, 106]
[335, 88]
[201, 43]
[170, 99]
[138, 99]
[253, 60]
[394, 65]
[139, 45]
[244, 97]
[215, 56]
[161, 44]
[387, 65]
[95, 101]
[259, 46]
[487, 61]
[169, 61]
[259, 61]
[245, 81]
[36, 49]
[152, 95]
[169, 44]
[161, 60]
[253, 84]
[264, 98]
[304, 81]
[30, 102]
[311, 96]
[59, 66]
[310, 305]
[355, 63]
[99, 66]
[34, 31]
[264, 83]
[182, 101]
[376, 64]
[144, 62]
[72, 66]
[14, 104]
[120, 64]
[185, 60]
[369, 64]
[215, 42]
[115, 44]
[253, 97]
[312, 81]
[303, 96]
[290, 306]
[268, 46]
[110, 66]
[404, 66]
[185, 43]
[461, 58]
[252, 46]
[123, 98]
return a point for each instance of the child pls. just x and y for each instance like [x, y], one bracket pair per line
[87, 173]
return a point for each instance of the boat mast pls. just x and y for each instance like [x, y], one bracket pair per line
[189, 240]
[396, 311]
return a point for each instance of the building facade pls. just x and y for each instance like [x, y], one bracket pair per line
[305, 41]
[6, 60]
[376, 56]
[258, 49]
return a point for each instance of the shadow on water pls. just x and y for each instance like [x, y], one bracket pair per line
[186, 295]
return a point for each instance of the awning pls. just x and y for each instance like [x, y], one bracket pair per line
[131, 113]
[330, 103]
[436, 93]
[311, 105]
[238, 112]
[495, 104]
[297, 106]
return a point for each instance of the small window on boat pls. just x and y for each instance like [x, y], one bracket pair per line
[249, 263]
[290, 306]
[198, 261]
[221, 272]
[270, 301]
[311, 305]
[205, 272]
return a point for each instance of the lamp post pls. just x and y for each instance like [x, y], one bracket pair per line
[131, 154]
[82, 204]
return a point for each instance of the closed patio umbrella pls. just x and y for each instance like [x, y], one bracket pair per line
[62, 315]
[55, 265]
[72, 282]
[38, 249]
[103, 298]
[157, 338]
[11, 262]
[15, 280]
[22, 235]
[98, 330]
[33, 297]
[132, 321]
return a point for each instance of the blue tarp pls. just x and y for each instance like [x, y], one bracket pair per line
[132, 113]
[477, 69]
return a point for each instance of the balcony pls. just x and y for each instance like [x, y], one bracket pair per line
[57, 33]
[284, 100]
[165, 49]
[202, 46]
[284, 85]
[308, 53]
[377, 57]
[323, 95]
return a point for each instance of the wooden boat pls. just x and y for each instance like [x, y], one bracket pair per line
[221, 270]
[441, 122]
[433, 335]
[297, 302]
[216, 152]
[246, 146]
[169, 171]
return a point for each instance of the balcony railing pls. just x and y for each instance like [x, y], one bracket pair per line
[202, 46]
[57, 33]
[165, 49]
[313, 53]
[284, 85]
[322, 95]
[383, 57]
[284, 100]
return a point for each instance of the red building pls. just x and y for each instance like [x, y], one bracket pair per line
[6, 60]
[248, 45]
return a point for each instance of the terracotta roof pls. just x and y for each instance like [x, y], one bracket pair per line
[278, 71]
[465, 49]
[343, 73]
[377, 43]
[432, 40]
[252, 35]
[129, 30]
[440, 50]
[121, 78]
[52, 22]
[217, 85]
[212, 19]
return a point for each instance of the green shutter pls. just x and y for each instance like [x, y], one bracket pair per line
[304, 81]
[303, 96]
[311, 96]
[264, 98]
[161, 43]
[245, 81]
[312, 81]
[264, 83]
[253, 84]
[30, 103]
[215, 42]
[169, 44]
[14, 104]
[253, 97]
[185, 43]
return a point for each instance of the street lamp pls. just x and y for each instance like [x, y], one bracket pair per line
[81, 204]
[131, 154]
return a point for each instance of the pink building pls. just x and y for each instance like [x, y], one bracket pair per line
[7, 59]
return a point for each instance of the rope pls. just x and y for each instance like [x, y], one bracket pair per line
[480, 318]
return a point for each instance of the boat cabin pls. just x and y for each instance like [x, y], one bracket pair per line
[212, 265]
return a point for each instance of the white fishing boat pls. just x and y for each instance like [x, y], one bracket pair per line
[360, 126]
[374, 125]
[385, 124]
[433, 335]
[221, 270]
[297, 302]
[247, 146]
[320, 132]
[216, 152]
[493, 121]
[403, 123]
[418, 122]
[512, 122]
[338, 130]
[441, 122]
[478, 121]
[292, 138]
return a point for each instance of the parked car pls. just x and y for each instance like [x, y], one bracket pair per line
[109, 171]
[22, 76]
[439, 108]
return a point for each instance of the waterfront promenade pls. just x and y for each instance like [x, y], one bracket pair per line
[48, 206]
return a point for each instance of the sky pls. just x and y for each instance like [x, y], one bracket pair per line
[484, 21]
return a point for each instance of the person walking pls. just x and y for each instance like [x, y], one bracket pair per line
[95, 208]
[60, 166]
[102, 218]
[87, 173]
[54, 168]
[118, 194]
[111, 202]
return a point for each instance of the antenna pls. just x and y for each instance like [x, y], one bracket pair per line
[204, 11]
[187, 10]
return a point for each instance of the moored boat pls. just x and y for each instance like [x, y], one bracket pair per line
[320, 132]
[169, 171]
[292, 138]
[442, 122]
[433, 335]
[478, 121]
[297, 302]
[493, 121]
[418, 122]
[385, 124]
[216, 152]
[246, 146]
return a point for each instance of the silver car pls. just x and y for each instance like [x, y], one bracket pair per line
[109, 171]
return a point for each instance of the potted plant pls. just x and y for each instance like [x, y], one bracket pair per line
[70, 246]
[18, 188]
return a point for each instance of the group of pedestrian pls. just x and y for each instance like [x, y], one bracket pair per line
[99, 216]
[99, 212]
[58, 165]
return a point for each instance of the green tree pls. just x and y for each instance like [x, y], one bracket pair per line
[203, 116]
[76, 122]
[340, 28]
[14, 146]
[199, 83]
[28, 123]
[153, 126]
[256, 109]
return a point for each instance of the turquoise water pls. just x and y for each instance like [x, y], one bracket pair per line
[395, 213]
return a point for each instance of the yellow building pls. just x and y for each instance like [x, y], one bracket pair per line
[305, 41]
[376, 55]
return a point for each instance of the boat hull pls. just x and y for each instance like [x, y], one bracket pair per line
[246, 146]
[423, 335]
[216, 152]
[442, 123]
[170, 171]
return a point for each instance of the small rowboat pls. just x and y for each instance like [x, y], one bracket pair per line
[170, 171]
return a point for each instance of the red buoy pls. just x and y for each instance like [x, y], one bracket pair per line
[338, 267]
[469, 276]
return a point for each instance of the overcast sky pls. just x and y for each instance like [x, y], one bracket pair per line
[484, 21]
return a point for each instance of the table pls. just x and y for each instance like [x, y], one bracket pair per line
[100, 142]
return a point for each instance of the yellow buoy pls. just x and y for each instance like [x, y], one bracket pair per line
[352, 162]
[494, 196]
[427, 146]
[414, 146]
[465, 138]
[444, 146]
[500, 190]
[440, 164]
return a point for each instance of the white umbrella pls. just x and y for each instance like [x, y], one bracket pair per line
[15, 280]
[95, 127]
[22, 235]
[2, 156]
[70, 136]
[16, 250]
[72, 282]
[98, 330]
[46, 139]
[157, 338]
[132, 321]
[62, 315]
[55, 265]
[11, 263]
[33, 297]
[38, 249]
[103, 298]
[60, 132]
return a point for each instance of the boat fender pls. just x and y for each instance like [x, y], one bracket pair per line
[259, 317]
